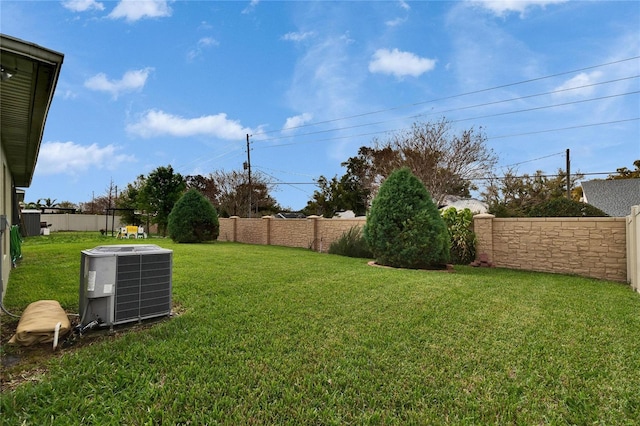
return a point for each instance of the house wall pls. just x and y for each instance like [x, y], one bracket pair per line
[6, 211]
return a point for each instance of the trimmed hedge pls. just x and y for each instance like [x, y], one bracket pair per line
[404, 228]
[193, 219]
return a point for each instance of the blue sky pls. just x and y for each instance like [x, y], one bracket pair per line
[155, 83]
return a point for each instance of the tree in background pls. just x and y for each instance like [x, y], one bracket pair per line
[67, 205]
[327, 200]
[404, 227]
[232, 194]
[46, 203]
[624, 173]
[514, 196]
[445, 162]
[129, 201]
[349, 193]
[161, 190]
[193, 219]
[97, 205]
[205, 185]
[563, 207]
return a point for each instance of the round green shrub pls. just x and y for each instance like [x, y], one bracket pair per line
[404, 228]
[193, 219]
[564, 207]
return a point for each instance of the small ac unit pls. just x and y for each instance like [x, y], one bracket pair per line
[125, 283]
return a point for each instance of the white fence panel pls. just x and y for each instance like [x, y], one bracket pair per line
[80, 222]
[633, 248]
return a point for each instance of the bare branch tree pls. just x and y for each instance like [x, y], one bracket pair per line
[446, 162]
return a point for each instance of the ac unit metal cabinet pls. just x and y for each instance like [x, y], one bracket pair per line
[125, 283]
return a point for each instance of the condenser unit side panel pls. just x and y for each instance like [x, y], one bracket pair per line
[97, 286]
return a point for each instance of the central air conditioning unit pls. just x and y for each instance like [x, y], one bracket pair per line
[125, 283]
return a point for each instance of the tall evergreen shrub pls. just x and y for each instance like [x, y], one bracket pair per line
[193, 219]
[404, 227]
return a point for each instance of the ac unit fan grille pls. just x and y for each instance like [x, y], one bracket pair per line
[143, 287]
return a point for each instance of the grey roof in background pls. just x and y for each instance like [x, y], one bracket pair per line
[614, 197]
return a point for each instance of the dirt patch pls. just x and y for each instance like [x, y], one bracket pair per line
[22, 364]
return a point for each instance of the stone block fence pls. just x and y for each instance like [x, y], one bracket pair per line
[604, 248]
[591, 247]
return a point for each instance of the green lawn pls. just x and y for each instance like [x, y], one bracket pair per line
[272, 335]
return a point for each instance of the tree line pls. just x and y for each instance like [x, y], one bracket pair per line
[446, 161]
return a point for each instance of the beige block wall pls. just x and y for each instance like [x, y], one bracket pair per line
[314, 232]
[291, 232]
[330, 230]
[593, 247]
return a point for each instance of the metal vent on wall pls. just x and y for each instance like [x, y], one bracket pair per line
[125, 283]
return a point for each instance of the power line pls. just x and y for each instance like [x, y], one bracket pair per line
[452, 96]
[548, 106]
[490, 138]
[545, 176]
[519, 98]
[535, 159]
[566, 128]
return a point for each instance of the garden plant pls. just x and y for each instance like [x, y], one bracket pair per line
[463, 239]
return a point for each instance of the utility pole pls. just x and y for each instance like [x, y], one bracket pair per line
[568, 176]
[248, 168]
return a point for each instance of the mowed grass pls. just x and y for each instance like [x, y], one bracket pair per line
[272, 335]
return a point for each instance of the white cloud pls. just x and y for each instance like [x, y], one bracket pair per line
[71, 158]
[251, 7]
[582, 79]
[404, 5]
[400, 63]
[504, 7]
[157, 123]
[297, 121]
[134, 10]
[203, 43]
[130, 81]
[297, 36]
[82, 5]
[395, 22]
[68, 94]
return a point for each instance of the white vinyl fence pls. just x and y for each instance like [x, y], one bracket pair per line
[80, 222]
[633, 248]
